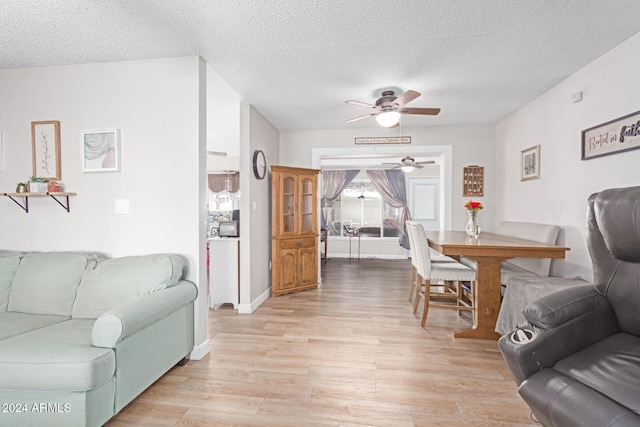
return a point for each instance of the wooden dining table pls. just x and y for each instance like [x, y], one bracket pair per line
[489, 250]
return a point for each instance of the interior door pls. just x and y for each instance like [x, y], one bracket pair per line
[424, 202]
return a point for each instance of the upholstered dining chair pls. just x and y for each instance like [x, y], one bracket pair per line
[434, 258]
[438, 275]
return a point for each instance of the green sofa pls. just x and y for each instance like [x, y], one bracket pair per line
[81, 335]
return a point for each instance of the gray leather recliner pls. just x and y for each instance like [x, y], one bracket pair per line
[582, 364]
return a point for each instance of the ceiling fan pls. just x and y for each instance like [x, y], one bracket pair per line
[408, 164]
[389, 108]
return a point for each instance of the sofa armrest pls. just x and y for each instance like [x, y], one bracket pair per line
[564, 323]
[127, 319]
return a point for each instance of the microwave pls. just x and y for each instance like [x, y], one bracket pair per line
[229, 229]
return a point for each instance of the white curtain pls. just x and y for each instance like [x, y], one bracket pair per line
[393, 190]
[333, 183]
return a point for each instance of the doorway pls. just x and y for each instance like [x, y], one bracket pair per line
[424, 201]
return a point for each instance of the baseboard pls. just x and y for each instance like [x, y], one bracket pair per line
[200, 351]
[366, 256]
[250, 308]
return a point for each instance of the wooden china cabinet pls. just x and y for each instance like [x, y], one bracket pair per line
[294, 229]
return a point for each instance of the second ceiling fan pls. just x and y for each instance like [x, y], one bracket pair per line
[408, 163]
[389, 108]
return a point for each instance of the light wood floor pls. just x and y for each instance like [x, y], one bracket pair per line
[348, 354]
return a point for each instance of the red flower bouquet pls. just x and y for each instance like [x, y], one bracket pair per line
[470, 205]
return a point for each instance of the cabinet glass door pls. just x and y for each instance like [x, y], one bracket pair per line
[306, 209]
[288, 204]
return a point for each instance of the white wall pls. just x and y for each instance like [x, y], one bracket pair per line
[158, 107]
[256, 133]
[610, 89]
[469, 145]
[223, 123]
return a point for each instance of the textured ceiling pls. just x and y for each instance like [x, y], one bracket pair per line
[298, 61]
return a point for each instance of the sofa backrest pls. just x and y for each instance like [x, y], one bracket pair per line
[47, 282]
[9, 262]
[531, 231]
[117, 281]
[617, 225]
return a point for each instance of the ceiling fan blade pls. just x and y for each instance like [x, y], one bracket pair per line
[355, 119]
[426, 162]
[417, 165]
[360, 104]
[406, 97]
[392, 164]
[424, 111]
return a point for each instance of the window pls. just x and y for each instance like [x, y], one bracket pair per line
[361, 207]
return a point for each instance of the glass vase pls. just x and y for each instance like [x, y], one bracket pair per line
[473, 229]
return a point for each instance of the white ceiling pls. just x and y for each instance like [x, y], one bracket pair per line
[297, 61]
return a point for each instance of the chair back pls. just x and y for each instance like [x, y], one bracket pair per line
[531, 231]
[412, 244]
[613, 239]
[423, 254]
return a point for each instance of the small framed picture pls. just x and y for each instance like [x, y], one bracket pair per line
[45, 149]
[101, 150]
[530, 163]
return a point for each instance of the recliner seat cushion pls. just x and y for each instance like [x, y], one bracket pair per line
[117, 281]
[558, 400]
[57, 357]
[611, 367]
[47, 282]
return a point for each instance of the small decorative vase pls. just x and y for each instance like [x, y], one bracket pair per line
[21, 189]
[473, 229]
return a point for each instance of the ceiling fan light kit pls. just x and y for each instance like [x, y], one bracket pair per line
[407, 169]
[388, 119]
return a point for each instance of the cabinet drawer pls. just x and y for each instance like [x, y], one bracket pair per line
[306, 242]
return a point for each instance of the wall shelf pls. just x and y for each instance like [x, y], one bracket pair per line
[473, 181]
[62, 198]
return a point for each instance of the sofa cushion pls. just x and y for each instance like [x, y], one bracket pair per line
[58, 357]
[18, 323]
[509, 271]
[9, 262]
[47, 282]
[118, 281]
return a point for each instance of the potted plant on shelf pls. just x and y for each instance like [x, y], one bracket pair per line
[21, 188]
[37, 185]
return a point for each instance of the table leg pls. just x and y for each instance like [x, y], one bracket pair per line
[487, 300]
[349, 245]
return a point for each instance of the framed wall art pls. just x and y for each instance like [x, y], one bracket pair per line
[530, 163]
[101, 150]
[615, 136]
[45, 149]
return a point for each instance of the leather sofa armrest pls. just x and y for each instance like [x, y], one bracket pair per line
[563, 323]
[125, 320]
